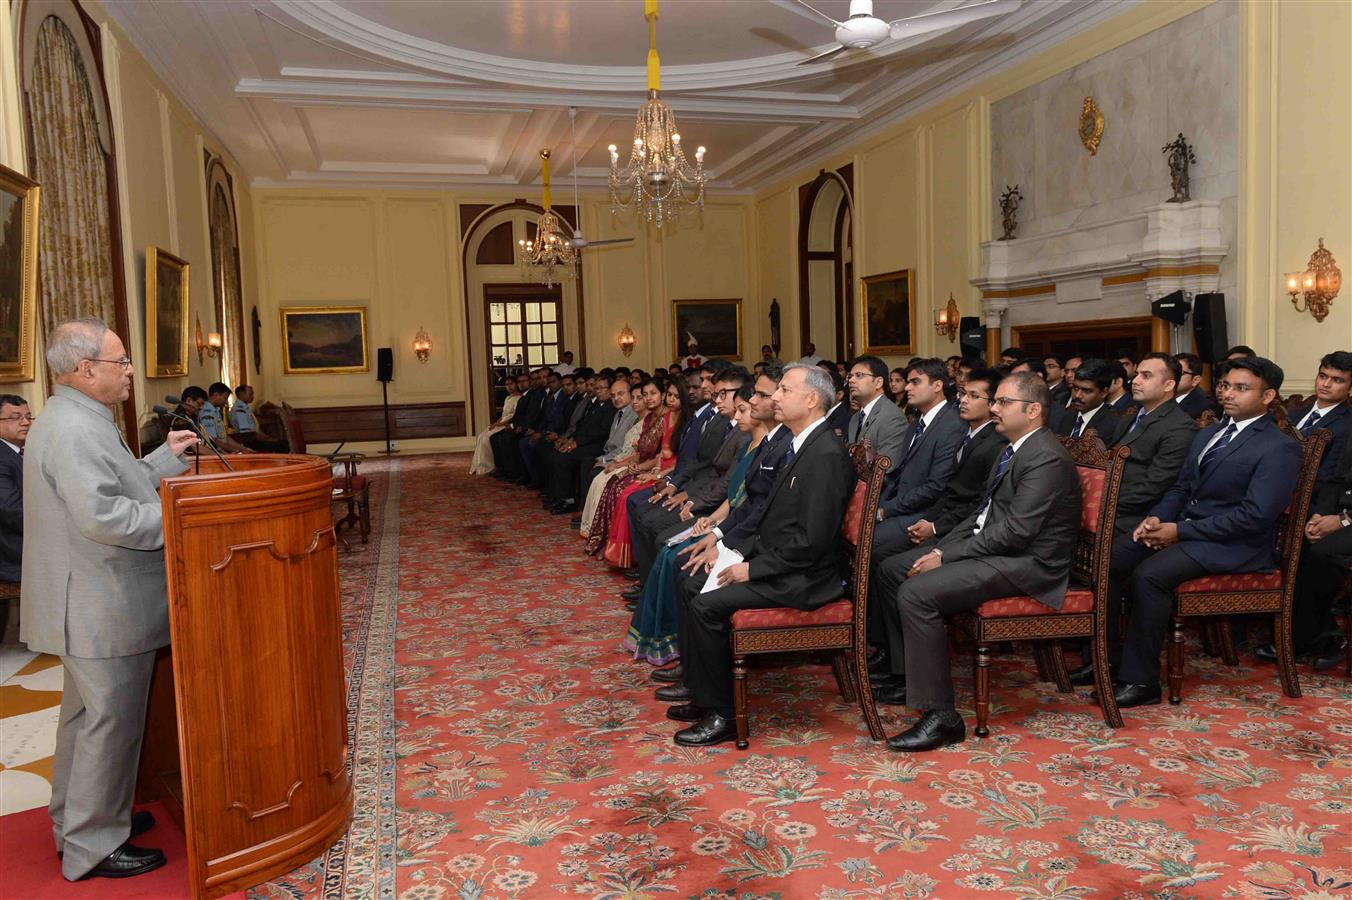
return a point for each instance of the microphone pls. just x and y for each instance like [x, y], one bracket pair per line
[196, 429]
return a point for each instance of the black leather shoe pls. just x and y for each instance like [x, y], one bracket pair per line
[1084, 675]
[632, 593]
[712, 729]
[1265, 652]
[561, 509]
[672, 675]
[1332, 650]
[891, 693]
[631, 574]
[880, 665]
[141, 822]
[1129, 695]
[673, 693]
[934, 730]
[686, 712]
[630, 605]
[127, 861]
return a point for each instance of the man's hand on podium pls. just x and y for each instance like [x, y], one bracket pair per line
[180, 441]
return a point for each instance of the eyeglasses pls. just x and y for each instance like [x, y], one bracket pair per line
[857, 375]
[1005, 401]
[17, 417]
[124, 362]
[971, 396]
[720, 392]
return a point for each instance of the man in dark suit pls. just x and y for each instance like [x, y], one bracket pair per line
[1159, 437]
[1192, 397]
[795, 557]
[14, 422]
[1020, 540]
[1217, 518]
[839, 415]
[1327, 553]
[879, 420]
[557, 410]
[927, 462]
[573, 454]
[506, 443]
[1119, 391]
[1058, 383]
[1088, 402]
[1058, 417]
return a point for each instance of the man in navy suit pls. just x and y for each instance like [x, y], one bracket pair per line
[14, 421]
[1218, 517]
[1192, 397]
[1119, 393]
[1089, 403]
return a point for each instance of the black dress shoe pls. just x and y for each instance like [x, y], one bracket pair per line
[673, 693]
[1129, 695]
[1331, 651]
[686, 712]
[631, 605]
[632, 574]
[561, 509]
[1265, 652]
[141, 822]
[934, 730]
[712, 729]
[891, 693]
[1084, 675]
[127, 861]
[672, 675]
[632, 593]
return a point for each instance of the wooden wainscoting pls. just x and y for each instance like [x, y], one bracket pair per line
[408, 421]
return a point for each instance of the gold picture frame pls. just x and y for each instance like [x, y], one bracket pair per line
[716, 324]
[167, 300]
[320, 340]
[889, 313]
[19, 197]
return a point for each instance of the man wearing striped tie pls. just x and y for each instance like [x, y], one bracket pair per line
[1218, 517]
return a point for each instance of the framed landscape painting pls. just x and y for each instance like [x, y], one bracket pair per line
[324, 339]
[166, 314]
[18, 275]
[716, 324]
[889, 313]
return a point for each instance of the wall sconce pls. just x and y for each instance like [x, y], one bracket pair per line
[627, 340]
[208, 346]
[1313, 290]
[946, 319]
[422, 344]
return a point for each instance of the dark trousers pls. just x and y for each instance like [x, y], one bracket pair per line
[704, 626]
[564, 470]
[890, 536]
[530, 462]
[1151, 588]
[887, 575]
[1323, 570]
[650, 525]
[1126, 556]
[506, 454]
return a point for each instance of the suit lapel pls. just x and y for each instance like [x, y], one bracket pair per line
[785, 471]
[1264, 421]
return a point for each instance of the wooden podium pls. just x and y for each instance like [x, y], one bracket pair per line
[246, 736]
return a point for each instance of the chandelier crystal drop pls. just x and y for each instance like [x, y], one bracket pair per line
[658, 179]
[551, 256]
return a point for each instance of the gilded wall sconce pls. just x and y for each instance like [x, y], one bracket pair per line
[946, 319]
[207, 346]
[422, 344]
[627, 340]
[1314, 289]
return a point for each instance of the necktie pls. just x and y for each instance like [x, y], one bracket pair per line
[1136, 421]
[1311, 422]
[1079, 426]
[1220, 445]
[859, 432]
[1000, 466]
[788, 457]
[963, 449]
[915, 438]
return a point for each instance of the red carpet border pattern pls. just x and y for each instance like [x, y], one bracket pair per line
[504, 747]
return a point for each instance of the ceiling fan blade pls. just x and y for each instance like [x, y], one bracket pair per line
[839, 48]
[948, 18]
[807, 12]
[606, 243]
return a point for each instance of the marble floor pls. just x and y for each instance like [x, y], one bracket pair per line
[30, 700]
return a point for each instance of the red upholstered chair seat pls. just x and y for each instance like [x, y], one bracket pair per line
[1077, 601]
[358, 484]
[1243, 581]
[840, 612]
[849, 526]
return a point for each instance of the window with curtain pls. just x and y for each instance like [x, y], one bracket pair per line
[225, 278]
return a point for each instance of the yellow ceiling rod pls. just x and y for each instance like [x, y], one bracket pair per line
[544, 174]
[654, 66]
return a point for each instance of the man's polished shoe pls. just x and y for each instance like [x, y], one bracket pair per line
[1265, 652]
[1129, 695]
[672, 675]
[1332, 650]
[936, 728]
[686, 712]
[712, 729]
[632, 574]
[632, 593]
[1084, 675]
[141, 822]
[561, 509]
[890, 693]
[673, 693]
[127, 861]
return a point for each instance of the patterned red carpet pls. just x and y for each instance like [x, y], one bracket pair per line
[505, 747]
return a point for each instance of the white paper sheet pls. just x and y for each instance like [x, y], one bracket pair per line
[677, 538]
[726, 557]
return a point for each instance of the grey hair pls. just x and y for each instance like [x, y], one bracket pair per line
[73, 341]
[817, 380]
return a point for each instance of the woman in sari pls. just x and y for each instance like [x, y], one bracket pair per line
[618, 549]
[628, 449]
[652, 629]
[644, 458]
[482, 464]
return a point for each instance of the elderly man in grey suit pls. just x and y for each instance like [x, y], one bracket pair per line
[94, 594]
[878, 420]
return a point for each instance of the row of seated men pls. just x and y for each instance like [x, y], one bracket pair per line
[983, 503]
[231, 427]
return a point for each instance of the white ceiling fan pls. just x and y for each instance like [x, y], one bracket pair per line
[862, 30]
[579, 242]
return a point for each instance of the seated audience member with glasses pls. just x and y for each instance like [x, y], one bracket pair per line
[14, 421]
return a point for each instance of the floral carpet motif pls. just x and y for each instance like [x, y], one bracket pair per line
[504, 746]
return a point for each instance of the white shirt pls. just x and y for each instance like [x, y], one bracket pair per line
[810, 360]
[1323, 411]
[17, 449]
[868, 407]
[565, 368]
[1089, 415]
[985, 510]
[1181, 397]
[800, 437]
[1239, 429]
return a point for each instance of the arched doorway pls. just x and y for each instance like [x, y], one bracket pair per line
[826, 264]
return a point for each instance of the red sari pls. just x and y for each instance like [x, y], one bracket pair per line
[619, 549]
[650, 444]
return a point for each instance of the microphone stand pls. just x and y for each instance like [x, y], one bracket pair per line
[202, 436]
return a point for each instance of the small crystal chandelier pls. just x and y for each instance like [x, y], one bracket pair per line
[551, 257]
[657, 179]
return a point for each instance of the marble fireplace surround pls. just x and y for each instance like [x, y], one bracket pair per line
[1108, 269]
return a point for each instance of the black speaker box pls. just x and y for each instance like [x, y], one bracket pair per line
[1172, 308]
[972, 337]
[1208, 327]
[385, 364]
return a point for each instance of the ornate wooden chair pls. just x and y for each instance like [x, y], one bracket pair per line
[1254, 592]
[839, 627]
[349, 487]
[9, 591]
[1084, 614]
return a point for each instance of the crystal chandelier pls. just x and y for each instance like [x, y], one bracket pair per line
[657, 179]
[551, 256]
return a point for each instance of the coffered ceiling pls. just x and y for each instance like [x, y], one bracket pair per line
[467, 92]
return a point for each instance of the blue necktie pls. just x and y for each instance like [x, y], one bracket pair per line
[1136, 421]
[1311, 423]
[963, 449]
[915, 439]
[1079, 426]
[1220, 445]
[1000, 467]
[788, 457]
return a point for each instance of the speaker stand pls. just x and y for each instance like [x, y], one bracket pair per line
[385, 401]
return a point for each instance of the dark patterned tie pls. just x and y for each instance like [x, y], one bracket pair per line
[1000, 467]
[963, 449]
[1311, 423]
[788, 456]
[1079, 426]
[1136, 421]
[1226, 436]
[915, 439]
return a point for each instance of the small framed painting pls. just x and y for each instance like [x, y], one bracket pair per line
[18, 275]
[889, 313]
[324, 339]
[166, 314]
[716, 324]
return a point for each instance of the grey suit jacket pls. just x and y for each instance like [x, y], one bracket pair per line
[618, 429]
[887, 428]
[1159, 447]
[93, 562]
[921, 479]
